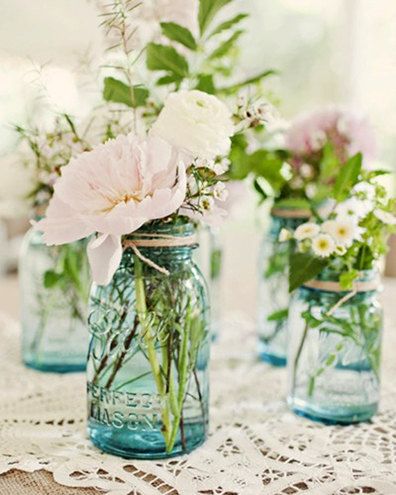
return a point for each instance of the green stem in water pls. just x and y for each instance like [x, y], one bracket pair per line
[141, 309]
[298, 356]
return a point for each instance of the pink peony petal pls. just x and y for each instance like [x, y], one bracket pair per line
[104, 254]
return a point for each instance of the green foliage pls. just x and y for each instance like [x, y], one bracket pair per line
[268, 165]
[226, 46]
[216, 257]
[282, 314]
[224, 26]
[329, 164]
[347, 178]
[239, 158]
[166, 58]
[304, 267]
[251, 80]
[178, 33]
[207, 11]
[119, 92]
[347, 278]
[206, 84]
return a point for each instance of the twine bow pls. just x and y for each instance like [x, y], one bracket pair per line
[157, 241]
[331, 286]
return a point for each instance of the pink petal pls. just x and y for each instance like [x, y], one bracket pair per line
[104, 254]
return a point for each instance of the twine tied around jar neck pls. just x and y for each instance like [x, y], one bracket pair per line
[291, 213]
[332, 286]
[147, 240]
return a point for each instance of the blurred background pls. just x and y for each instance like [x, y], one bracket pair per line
[343, 52]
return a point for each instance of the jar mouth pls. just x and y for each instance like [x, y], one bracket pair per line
[182, 227]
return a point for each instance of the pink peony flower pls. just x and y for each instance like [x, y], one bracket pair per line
[113, 190]
[348, 133]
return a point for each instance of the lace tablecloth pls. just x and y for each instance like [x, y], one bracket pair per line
[256, 445]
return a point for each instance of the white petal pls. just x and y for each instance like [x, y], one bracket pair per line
[104, 254]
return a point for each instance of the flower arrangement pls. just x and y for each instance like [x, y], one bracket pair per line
[352, 235]
[138, 193]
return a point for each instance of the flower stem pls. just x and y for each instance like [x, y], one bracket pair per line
[141, 309]
[298, 356]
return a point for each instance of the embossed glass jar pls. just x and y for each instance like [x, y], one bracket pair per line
[273, 297]
[149, 353]
[54, 286]
[334, 350]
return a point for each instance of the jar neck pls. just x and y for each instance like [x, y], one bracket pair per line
[278, 223]
[165, 242]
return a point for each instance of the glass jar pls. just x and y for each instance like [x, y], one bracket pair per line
[148, 360]
[273, 296]
[334, 352]
[54, 286]
[210, 261]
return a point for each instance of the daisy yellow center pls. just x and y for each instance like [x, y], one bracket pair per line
[323, 244]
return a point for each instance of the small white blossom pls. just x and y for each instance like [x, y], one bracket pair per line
[206, 203]
[306, 171]
[220, 191]
[354, 208]
[285, 235]
[385, 216]
[340, 250]
[221, 167]
[323, 245]
[306, 231]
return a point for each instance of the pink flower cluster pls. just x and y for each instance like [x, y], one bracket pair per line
[347, 132]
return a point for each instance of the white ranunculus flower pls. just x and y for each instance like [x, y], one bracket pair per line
[197, 123]
[323, 245]
[306, 231]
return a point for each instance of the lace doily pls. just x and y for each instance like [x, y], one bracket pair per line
[256, 445]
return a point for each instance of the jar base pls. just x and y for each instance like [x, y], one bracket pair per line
[339, 416]
[56, 367]
[272, 359]
[144, 445]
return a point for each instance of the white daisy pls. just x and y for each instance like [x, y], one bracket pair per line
[344, 232]
[385, 216]
[306, 231]
[354, 208]
[323, 245]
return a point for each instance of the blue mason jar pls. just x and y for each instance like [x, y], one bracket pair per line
[54, 287]
[273, 295]
[334, 350]
[147, 372]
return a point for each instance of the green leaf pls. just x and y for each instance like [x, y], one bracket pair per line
[215, 263]
[278, 315]
[119, 92]
[167, 58]
[304, 267]
[347, 177]
[347, 278]
[165, 80]
[239, 166]
[228, 24]
[251, 80]
[226, 46]
[207, 11]
[260, 189]
[206, 84]
[330, 164]
[268, 164]
[51, 279]
[181, 34]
